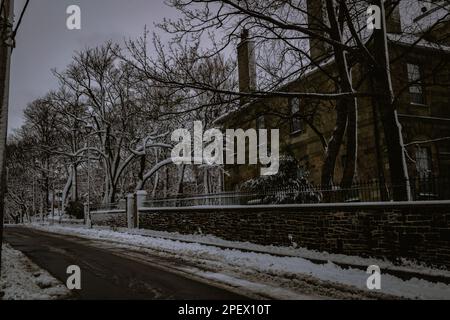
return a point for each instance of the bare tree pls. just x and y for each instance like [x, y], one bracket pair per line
[293, 38]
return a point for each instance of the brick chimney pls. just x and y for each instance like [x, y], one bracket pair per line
[246, 64]
[393, 18]
[316, 14]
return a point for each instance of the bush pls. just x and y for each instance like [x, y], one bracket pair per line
[75, 209]
[286, 187]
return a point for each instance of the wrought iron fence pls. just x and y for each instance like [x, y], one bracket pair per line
[422, 189]
[106, 207]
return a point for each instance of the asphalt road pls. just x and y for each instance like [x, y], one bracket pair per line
[109, 273]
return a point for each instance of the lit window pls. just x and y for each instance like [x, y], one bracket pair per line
[415, 84]
[297, 123]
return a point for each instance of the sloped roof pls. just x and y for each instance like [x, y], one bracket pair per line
[398, 39]
[416, 41]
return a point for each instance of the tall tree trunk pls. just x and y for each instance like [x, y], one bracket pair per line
[67, 188]
[156, 179]
[352, 147]
[166, 182]
[107, 189]
[112, 194]
[181, 180]
[47, 194]
[74, 190]
[206, 186]
[349, 104]
[385, 103]
[221, 180]
[141, 170]
[155, 185]
[334, 145]
[41, 209]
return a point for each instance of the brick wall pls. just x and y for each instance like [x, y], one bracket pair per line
[418, 232]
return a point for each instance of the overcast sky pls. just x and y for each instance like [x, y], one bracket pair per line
[44, 42]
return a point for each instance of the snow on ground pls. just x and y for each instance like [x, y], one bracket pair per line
[294, 251]
[263, 266]
[21, 279]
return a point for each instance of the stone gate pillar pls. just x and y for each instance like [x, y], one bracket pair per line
[131, 211]
[87, 215]
[141, 197]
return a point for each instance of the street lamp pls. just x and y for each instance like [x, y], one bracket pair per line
[88, 128]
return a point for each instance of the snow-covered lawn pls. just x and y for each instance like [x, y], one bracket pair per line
[277, 276]
[21, 279]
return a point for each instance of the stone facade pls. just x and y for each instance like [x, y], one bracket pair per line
[418, 232]
[427, 121]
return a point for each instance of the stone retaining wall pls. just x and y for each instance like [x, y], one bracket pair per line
[414, 231]
[113, 220]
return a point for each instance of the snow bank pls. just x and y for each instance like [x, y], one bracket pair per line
[23, 280]
[268, 264]
[294, 251]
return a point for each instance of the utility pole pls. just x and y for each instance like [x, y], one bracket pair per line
[6, 46]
